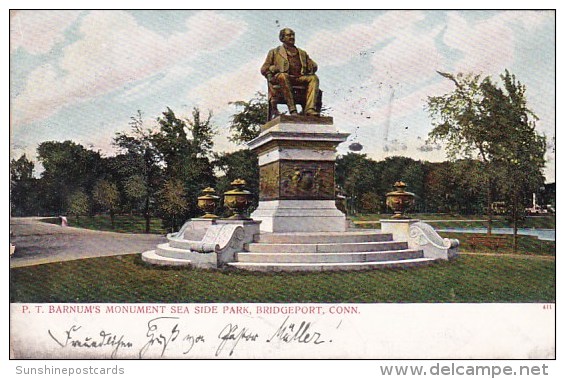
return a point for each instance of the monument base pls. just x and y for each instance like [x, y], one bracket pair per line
[287, 216]
[399, 228]
[421, 236]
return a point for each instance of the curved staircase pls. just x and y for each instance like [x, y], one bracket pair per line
[327, 251]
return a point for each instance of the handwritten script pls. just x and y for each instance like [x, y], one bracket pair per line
[174, 336]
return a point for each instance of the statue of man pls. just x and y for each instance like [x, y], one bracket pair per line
[288, 65]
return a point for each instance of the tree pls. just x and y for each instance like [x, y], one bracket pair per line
[172, 144]
[521, 152]
[246, 124]
[23, 187]
[106, 195]
[78, 204]
[68, 167]
[370, 202]
[203, 132]
[479, 120]
[172, 204]
[136, 190]
[142, 159]
[186, 149]
[357, 175]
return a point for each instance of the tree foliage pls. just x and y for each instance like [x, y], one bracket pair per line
[203, 131]
[68, 167]
[106, 195]
[482, 119]
[142, 162]
[172, 204]
[78, 204]
[246, 124]
[23, 187]
[185, 147]
[496, 155]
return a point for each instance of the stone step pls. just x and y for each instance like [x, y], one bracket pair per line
[353, 266]
[192, 235]
[348, 257]
[349, 247]
[166, 250]
[180, 243]
[324, 237]
[153, 258]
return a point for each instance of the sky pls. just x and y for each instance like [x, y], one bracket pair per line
[81, 74]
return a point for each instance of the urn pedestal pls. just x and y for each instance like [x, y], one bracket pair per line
[297, 175]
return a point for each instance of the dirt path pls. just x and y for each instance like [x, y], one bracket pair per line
[38, 242]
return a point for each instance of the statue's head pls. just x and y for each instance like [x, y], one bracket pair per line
[286, 35]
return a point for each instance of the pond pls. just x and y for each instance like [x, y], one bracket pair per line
[542, 234]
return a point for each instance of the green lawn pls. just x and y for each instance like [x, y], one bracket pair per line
[471, 221]
[136, 224]
[527, 245]
[122, 223]
[468, 279]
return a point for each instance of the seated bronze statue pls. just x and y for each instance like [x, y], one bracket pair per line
[291, 77]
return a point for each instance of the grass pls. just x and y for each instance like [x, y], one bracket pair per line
[501, 276]
[122, 223]
[470, 221]
[136, 224]
[527, 245]
[468, 279]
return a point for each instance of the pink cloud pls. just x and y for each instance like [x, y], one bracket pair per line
[336, 47]
[38, 31]
[115, 50]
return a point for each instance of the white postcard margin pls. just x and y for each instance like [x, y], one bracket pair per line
[282, 331]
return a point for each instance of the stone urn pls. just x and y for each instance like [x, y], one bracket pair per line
[238, 200]
[208, 202]
[400, 200]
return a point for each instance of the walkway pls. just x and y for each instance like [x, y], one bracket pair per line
[38, 242]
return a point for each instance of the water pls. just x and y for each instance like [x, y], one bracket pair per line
[542, 234]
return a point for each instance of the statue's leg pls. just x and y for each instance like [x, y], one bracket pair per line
[313, 86]
[283, 80]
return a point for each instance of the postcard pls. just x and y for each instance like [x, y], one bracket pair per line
[283, 184]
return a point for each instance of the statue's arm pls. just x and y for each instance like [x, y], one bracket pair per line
[268, 68]
[312, 65]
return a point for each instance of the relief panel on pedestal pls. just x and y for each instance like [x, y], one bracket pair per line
[297, 180]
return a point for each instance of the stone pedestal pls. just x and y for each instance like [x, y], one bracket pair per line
[285, 216]
[421, 236]
[399, 228]
[297, 175]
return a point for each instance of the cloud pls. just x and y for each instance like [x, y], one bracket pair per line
[113, 52]
[170, 77]
[38, 31]
[239, 84]
[487, 46]
[529, 20]
[410, 59]
[337, 47]
[380, 107]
